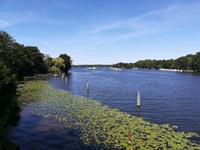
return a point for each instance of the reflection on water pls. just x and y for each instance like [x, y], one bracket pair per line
[8, 119]
[166, 97]
[37, 132]
[138, 112]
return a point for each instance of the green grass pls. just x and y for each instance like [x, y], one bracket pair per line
[101, 126]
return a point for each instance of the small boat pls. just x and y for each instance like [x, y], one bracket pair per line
[92, 68]
[117, 69]
[55, 75]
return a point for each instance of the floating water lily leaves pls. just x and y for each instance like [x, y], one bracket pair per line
[99, 125]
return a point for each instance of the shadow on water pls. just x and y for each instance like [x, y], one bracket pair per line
[37, 132]
[8, 121]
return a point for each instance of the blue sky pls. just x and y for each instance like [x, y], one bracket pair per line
[105, 31]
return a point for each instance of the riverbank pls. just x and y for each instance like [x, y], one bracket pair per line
[99, 126]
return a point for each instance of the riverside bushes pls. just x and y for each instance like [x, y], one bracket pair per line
[8, 104]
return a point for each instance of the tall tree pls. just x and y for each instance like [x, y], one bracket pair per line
[6, 48]
[11, 53]
[34, 61]
[67, 62]
[58, 63]
[48, 61]
[22, 61]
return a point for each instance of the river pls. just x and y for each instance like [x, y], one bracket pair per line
[166, 97]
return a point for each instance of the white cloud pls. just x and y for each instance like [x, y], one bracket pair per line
[153, 22]
[111, 36]
[4, 24]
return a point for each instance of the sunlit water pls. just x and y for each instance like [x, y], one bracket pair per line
[166, 97]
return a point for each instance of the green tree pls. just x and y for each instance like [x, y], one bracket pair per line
[16, 60]
[9, 107]
[22, 61]
[170, 64]
[11, 53]
[67, 62]
[6, 44]
[7, 94]
[33, 61]
[189, 57]
[58, 63]
[181, 62]
[48, 62]
[148, 63]
[196, 62]
[7, 84]
[140, 64]
[6, 48]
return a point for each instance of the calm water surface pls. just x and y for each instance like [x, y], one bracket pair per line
[166, 97]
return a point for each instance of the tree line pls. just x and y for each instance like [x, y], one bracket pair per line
[188, 63]
[18, 61]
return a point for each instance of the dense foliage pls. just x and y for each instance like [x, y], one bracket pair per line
[22, 60]
[187, 63]
[196, 62]
[8, 104]
[98, 125]
[7, 93]
[16, 62]
[67, 63]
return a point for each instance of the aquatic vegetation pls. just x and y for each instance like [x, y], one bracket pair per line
[100, 126]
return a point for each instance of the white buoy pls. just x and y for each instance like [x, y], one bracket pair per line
[87, 86]
[138, 99]
[65, 79]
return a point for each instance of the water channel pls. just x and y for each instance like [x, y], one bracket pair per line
[166, 97]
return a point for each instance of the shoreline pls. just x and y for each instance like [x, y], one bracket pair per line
[101, 118]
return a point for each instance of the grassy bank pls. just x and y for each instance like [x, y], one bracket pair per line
[100, 126]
